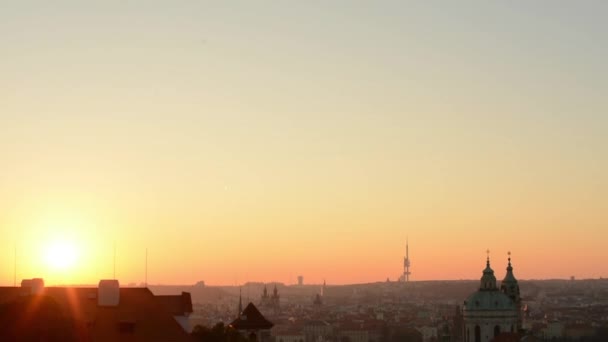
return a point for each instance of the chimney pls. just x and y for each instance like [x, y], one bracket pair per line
[32, 286]
[108, 293]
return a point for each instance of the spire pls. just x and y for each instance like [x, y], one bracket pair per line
[509, 283]
[488, 258]
[510, 287]
[488, 280]
[509, 277]
[240, 302]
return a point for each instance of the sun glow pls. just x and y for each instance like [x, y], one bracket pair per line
[61, 255]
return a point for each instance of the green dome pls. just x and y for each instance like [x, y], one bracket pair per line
[488, 301]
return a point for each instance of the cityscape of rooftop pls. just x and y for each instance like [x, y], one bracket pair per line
[303, 171]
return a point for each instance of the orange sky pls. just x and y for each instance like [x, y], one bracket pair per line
[243, 143]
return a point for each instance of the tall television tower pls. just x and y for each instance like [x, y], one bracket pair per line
[406, 263]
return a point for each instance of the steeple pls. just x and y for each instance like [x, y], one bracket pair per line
[510, 287]
[509, 284]
[488, 280]
[240, 303]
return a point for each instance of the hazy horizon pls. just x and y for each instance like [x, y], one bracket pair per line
[241, 141]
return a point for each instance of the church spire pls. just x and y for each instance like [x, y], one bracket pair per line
[488, 280]
[509, 284]
[509, 277]
[240, 302]
[488, 258]
[510, 287]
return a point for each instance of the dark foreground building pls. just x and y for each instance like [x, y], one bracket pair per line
[252, 324]
[33, 312]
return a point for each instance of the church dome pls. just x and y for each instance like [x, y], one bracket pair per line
[488, 300]
[488, 297]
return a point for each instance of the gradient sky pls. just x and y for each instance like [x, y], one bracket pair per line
[256, 141]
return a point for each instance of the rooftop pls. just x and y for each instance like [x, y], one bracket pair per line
[139, 315]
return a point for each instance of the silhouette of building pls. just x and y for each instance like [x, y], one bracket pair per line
[318, 301]
[510, 287]
[106, 313]
[265, 297]
[180, 306]
[240, 308]
[252, 324]
[300, 280]
[491, 311]
[270, 301]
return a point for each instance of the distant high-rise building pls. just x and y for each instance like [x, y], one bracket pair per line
[406, 263]
[300, 280]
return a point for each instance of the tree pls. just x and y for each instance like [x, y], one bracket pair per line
[218, 333]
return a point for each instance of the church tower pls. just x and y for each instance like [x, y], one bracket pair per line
[488, 280]
[510, 287]
[489, 311]
[275, 299]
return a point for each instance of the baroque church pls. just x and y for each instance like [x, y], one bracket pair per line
[491, 310]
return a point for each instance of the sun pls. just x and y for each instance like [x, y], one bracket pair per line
[61, 255]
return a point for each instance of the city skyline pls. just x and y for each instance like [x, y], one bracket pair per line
[244, 142]
[64, 268]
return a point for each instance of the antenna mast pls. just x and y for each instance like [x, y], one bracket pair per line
[146, 283]
[15, 268]
[406, 262]
[114, 260]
